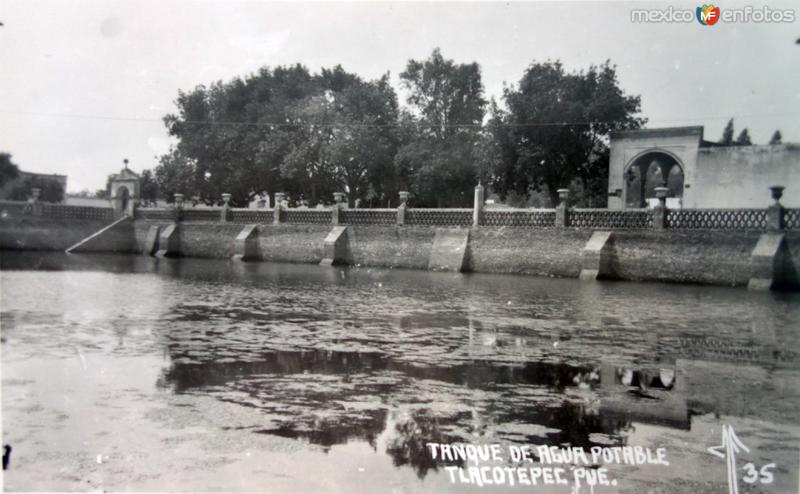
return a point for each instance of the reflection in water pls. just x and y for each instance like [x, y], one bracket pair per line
[397, 359]
[330, 398]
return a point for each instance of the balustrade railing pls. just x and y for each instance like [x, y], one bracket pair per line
[775, 217]
[531, 218]
[15, 208]
[439, 217]
[154, 214]
[245, 215]
[716, 219]
[605, 218]
[55, 211]
[368, 216]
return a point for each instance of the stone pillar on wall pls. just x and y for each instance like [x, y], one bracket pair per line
[335, 215]
[36, 204]
[276, 215]
[562, 212]
[768, 261]
[477, 209]
[660, 211]
[338, 197]
[226, 208]
[401, 209]
[775, 211]
[178, 209]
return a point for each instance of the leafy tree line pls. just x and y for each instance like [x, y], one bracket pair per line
[310, 134]
[20, 190]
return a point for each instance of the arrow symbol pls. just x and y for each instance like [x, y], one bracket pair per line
[731, 444]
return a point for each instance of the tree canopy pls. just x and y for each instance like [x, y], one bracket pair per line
[310, 134]
[556, 127]
[282, 129]
[440, 130]
[8, 170]
[51, 189]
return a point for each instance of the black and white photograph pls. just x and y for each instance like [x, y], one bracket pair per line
[400, 246]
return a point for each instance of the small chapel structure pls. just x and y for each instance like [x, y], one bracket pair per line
[124, 191]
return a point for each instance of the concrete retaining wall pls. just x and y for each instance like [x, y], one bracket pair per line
[292, 243]
[391, 246]
[214, 240]
[541, 251]
[36, 233]
[140, 229]
[706, 257]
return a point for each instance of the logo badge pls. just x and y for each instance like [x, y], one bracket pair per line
[707, 15]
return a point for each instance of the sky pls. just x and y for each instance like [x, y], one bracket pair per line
[85, 84]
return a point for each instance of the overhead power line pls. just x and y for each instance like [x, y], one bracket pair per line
[370, 125]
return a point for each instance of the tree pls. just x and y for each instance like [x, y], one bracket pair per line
[447, 97]
[776, 138]
[148, 187]
[439, 173]
[8, 170]
[343, 138]
[442, 131]
[727, 134]
[364, 142]
[176, 173]
[307, 164]
[286, 129]
[743, 139]
[51, 190]
[556, 127]
[237, 133]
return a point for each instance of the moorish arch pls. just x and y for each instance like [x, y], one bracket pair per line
[123, 196]
[651, 169]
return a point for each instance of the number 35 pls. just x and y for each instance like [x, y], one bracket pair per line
[752, 475]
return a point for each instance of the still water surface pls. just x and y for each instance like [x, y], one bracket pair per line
[132, 373]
